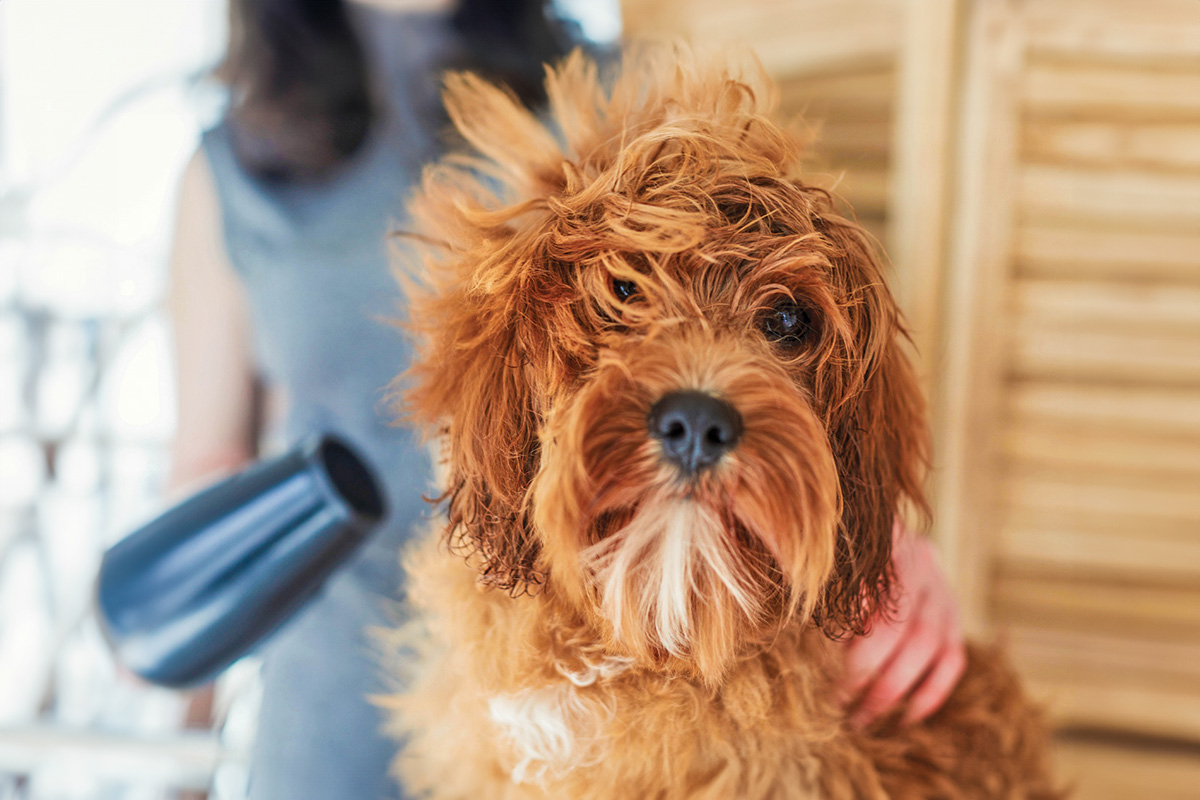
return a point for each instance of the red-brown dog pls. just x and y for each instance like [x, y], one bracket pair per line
[678, 425]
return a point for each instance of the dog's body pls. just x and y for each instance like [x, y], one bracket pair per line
[679, 425]
[528, 704]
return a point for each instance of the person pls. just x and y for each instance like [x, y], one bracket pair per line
[280, 298]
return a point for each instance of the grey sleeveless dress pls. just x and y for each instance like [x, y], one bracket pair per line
[313, 259]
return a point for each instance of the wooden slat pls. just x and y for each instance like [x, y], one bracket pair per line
[1066, 507]
[876, 226]
[839, 140]
[789, 37]
[867, 191]
[1115, 706]
[1053, 353]
[1123, 145]
[1084, 448]
[969, 393]
[1115, 30]
[871, 46]
[1125, 199]
[1095, 556]
[1055, 90]
[1099, 768]
[1153, 497]
[1140, 685]
[1152, 410]
[1109, 306]
[864, 190]
[1054, 251]
[1098, 532]
[1130, 608]
[843, 96]
[920, 190]
[1063, 652]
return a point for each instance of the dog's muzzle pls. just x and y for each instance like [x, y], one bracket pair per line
[694, 428]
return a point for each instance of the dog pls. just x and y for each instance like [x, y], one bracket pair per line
[678, 423]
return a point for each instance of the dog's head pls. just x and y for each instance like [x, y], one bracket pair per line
[669, 374]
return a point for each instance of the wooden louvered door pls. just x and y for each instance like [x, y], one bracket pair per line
[1069, 400]
[1033, 167]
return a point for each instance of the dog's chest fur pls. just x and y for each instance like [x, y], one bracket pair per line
[541, 712]
[512, 699]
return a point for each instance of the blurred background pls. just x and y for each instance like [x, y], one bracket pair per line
[1032, 168]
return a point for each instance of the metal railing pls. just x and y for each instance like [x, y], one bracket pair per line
[86, 406]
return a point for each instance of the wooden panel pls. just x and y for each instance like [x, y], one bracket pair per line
[1085, 449]
[1082, 407]
[1152, 497]
[790, 36]
[970, 390]
[1166, 663]
[1125, 199]
[1055, 599]
[1052, 251]
[1121, 145]
[1054, 353]
[1118, 703]
[1098, 532]
[1112, 682]
[866, 191]
[859, 96]
[1115, 30]
[846, 141]
[1154, 410]
[1056, 90]
[843, 109]
[920, 191]
[1109, 306]
[1123, 768]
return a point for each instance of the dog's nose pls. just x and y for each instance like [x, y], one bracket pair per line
[695, 428]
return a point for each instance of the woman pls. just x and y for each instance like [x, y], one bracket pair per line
[280, 281]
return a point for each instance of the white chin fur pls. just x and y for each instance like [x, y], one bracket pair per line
[663, 565]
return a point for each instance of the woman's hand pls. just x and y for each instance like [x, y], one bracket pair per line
[916, 653]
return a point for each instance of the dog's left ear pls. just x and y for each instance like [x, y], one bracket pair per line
[877, 429]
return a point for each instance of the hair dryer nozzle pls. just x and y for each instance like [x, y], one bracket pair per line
[191, 591]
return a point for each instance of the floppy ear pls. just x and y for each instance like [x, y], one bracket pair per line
[469, 380]
[877, 429]
[468, 291]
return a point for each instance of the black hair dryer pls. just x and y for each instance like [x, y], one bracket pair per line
[187, 594]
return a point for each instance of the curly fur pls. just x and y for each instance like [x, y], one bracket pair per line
[601, 626]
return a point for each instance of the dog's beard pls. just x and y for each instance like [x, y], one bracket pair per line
[678, 578]
[689, 570]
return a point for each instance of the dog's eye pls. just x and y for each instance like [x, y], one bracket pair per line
[624, 289]
[788, 323]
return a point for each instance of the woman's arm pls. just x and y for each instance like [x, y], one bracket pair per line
[216, 384]
[915, 655]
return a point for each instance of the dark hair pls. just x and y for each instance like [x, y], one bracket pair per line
[302, 95]
[301, 90]
[508, 42]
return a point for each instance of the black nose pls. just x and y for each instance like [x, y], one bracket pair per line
[695, 428]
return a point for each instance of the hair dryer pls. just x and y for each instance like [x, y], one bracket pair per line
[187, 594]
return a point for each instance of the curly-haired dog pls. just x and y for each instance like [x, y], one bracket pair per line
[678, 426]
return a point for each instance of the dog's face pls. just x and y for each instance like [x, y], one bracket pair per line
[668, 372]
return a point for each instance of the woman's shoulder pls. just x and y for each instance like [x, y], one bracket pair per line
[198, 206]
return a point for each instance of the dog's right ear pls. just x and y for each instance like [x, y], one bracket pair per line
[468, 384]
[472, 284]
[520, 156]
